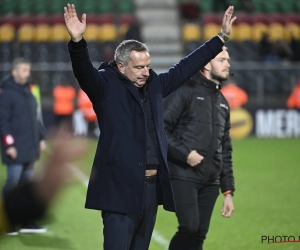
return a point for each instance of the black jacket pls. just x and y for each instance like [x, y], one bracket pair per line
[117, 179]
[18, 118]
[197, 118]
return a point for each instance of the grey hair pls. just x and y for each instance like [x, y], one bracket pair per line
[122, 52]
[20, 60]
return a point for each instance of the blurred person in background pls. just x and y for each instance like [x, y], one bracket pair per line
[200, 153]
[22, 132]
[64, 96]
[235, 96]
[293, 101]
[86, 107]
[30, 201]
[130, 176]
[295, 46]
[134, 31]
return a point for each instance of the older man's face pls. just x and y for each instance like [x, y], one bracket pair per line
[137, 69]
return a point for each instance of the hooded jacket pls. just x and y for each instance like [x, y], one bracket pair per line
[19, 123]
[197, 117]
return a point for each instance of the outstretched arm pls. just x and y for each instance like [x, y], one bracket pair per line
[92, 83]
[191, 64]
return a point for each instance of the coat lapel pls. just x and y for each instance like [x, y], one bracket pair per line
[133, 91]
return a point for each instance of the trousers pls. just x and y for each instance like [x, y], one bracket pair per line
[194, 207]
[131, 231]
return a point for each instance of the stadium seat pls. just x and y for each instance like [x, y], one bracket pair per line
[275, 31]
[258, 18]
[42, 19]
[42, 52]
[274, 18]
[297, 6]
[291, 18]
[94, 51]
[25, 6]
[104, 6]
[258, 5]
[26, 33]
[122, 31]
[56, 6]
[89, 6]
[7, 33]
[9, 19]
[209, 18]
[8, 7]
[126, 19]
[291, 30]
[92, 32]
[206, 6]
[105, 19]
[59, 51]
[6, 51]
[191, 32]
[270, 6]
[25, 19]
[59, 33]
[41, 6]
[107, 33]
[210, 30]
[242, 32]
[57, 19]
[125, 6]
[191, 46]
[258, 30]
[27, 49]
[42, 33]
[286, 6]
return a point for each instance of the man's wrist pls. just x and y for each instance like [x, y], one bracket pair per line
[223, 37]
[228, 192]
[76, 39]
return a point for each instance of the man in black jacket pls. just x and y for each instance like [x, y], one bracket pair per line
[199, 157]
[21, 131]
[130, 176]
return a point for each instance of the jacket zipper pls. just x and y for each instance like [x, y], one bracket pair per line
[212, 138]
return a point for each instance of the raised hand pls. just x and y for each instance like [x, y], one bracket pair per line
[228, 21]
[74, 26]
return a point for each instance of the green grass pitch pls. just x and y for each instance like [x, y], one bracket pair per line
[267, 202]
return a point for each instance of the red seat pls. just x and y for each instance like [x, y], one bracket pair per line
[57, 19]
[42, 19]
[209, 18]
[274, 18]
[25, 19]
[291, 18]
[8, 19]
[242, 18]
[258, 18]
[105, 19]
[126, 19]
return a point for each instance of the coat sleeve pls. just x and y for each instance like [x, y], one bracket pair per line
[6, 107]
[174, 106]
[189, 65]
[89, 79]
[227, 179]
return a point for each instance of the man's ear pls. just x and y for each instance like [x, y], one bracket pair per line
[207, 67]
[121, 67]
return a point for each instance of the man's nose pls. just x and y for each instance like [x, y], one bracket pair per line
[145, 72]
